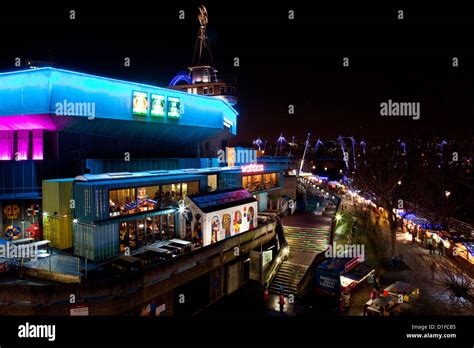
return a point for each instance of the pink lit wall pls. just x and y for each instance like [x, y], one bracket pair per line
[6, 145]
[37, 144]
[22, 145]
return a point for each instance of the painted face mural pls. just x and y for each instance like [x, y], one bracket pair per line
[250, 217]
[226, 224]
[237, 221]
[197, 233]
[11, 211]
[215, 226]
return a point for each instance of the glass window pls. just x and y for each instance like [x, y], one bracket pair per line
[128, 235]
[134, 200]
[212, 182]
[271, 180]
[122, 202]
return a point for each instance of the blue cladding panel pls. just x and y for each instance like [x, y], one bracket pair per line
[96, 243]
[24, 93]
[106, 241]
[38, 92]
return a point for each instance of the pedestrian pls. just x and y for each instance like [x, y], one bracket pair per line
[373, 294]
[434, 246]
[282, 302]
[413, 237]
[441, 248]
[430, 248]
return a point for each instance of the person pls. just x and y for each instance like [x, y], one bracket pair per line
[430, 248]
[434, 246]
[373, 294]
[413, 237]
[378, 282]
[441, 248]
[281, 301]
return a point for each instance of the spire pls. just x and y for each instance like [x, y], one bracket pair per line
[202, 51]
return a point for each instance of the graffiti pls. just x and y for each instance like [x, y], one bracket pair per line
[214, 229]
[11, 211]
[226, 224]
[250, 217]
[237, 221]
[197, 234]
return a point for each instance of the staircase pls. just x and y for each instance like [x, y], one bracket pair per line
[306, 239]
[287, 276]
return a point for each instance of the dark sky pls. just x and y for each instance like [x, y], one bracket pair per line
[282, 62]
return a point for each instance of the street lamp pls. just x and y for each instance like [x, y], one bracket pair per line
[338, 217]
[447, 194]
[399, 182]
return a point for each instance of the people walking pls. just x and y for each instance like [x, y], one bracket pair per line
[430, 248]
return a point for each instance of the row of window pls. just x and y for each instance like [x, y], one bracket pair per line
[141, 232]
[211, 90]
[136, 200]
[260, 182]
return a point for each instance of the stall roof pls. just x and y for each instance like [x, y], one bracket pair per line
[359, 272]
[218, 200]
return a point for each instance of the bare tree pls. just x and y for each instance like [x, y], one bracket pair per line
[383, 173]
[455, 280]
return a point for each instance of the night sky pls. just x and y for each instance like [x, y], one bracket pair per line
[282, 62]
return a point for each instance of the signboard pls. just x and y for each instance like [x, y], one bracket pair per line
[174, 107]
[267, 257]
[79, 311]
[252, 168]
[327, 281]
[140, 103]
[157, 105]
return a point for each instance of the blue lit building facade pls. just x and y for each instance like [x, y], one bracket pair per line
[57, 124]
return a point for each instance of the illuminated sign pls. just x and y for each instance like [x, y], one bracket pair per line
[174, 107]
[157, 105]
[252, 168]
[140, 103]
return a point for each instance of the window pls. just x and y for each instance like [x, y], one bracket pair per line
[211, 90]
[222, 90]
[142, 199]
[121, 202]
[211, 183]
[205, 91]
[255, 183]
[271, 180]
